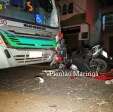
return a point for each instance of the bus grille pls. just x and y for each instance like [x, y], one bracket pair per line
[25, 59]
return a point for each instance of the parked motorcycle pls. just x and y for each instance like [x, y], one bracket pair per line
[94, 59]
[60, 57]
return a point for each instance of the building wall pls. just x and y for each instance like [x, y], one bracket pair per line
[92, 16]
[107, 35]
[79, 7]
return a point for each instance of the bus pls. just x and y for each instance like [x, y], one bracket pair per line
[29, 32]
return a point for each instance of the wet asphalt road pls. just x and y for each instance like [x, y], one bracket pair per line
[20, 91]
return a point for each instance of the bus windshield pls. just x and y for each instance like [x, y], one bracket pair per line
[40, 12]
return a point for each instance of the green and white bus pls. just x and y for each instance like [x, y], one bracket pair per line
[29, 31]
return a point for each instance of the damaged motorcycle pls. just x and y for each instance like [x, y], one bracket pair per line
[94, 59]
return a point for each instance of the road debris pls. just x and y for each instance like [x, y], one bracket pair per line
[40, 79]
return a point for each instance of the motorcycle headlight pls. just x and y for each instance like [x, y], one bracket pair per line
[104, 53]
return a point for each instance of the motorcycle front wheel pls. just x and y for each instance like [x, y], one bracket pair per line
[98, 65]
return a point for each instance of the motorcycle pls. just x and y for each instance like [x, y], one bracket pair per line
[94, 59]
[60, 56]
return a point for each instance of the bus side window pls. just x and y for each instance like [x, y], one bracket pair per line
[17, 3]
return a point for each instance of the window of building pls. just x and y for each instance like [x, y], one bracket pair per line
[65, 9]
[70, 8]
